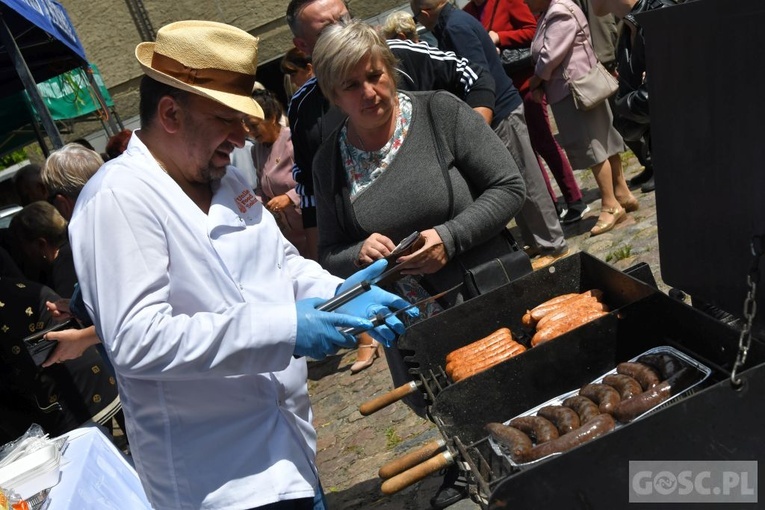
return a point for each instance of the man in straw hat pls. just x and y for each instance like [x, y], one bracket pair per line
[205, 309]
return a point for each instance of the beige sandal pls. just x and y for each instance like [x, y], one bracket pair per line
[367, 354]
[630, 205]
[601, 227]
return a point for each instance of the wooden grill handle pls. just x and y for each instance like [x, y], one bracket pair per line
[417, 473]
[374, 405]
[411, 459]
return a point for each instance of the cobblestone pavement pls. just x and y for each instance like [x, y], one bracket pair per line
[351, 448]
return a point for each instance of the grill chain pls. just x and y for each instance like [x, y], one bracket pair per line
[750, 307]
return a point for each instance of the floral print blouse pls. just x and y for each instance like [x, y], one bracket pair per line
[362, 168]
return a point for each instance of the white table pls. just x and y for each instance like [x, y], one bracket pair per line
[95, 475]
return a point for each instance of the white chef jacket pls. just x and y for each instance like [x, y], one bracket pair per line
[197, 312]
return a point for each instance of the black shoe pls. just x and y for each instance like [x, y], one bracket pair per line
[648, 186]
[560, 209]
[451, 490]
[643, 177]
[575, 213]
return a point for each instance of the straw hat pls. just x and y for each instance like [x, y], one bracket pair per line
[213, 60]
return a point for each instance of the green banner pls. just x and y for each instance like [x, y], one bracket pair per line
[69, 95]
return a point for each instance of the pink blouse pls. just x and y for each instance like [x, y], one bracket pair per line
[273, 165]
[562, 47]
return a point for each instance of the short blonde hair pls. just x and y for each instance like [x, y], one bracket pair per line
[341, 47]
[400, 22]
[68, 169]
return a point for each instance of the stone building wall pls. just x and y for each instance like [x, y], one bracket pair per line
[109, 34]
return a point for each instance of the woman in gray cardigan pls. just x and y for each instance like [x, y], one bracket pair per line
[378, 177]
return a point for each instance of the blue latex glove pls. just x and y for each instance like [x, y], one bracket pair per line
[379, 301]
[317, 332]
[369, 273]
[376, 301]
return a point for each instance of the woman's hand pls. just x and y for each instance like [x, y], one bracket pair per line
[494, 37]
[428, 259]
[71, 344]
[377, 246]
[59, 310]
[279, 203]
[538, 95]
[536, 84]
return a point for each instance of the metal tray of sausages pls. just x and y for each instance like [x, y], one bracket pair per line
[685, 360]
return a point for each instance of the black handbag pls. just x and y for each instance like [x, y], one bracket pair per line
[492, 264]
[509, 265]
[516, 59]
[513, 59]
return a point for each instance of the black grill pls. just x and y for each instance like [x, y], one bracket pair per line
[641, 318]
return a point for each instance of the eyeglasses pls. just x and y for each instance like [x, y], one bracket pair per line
[417, 15]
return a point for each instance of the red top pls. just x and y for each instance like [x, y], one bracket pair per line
[515, 25]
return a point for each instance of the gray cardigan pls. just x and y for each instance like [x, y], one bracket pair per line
[412, 194]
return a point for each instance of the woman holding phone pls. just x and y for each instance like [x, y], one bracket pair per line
[380, 176]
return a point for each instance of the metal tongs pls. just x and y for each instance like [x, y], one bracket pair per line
[339, 300]
[379, 318]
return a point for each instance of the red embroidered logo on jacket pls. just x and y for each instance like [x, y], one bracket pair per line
[245, 200]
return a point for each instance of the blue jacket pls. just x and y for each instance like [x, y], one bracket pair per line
[461, 33]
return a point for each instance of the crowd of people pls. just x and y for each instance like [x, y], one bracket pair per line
[188, 263]
[75, 385]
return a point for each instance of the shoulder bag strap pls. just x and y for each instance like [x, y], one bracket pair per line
[440, 156]
[493, 13]
[586, 36]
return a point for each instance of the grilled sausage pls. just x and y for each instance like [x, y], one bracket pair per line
[584, 407]
[484, 343]
[666, 364]
[645, 375]
[630, 409]
[543, 309]
[470, 359]
[511, 438]
[551, 305]
[564, 418]
[596, 293]
[539, 429]
[479, 344]
[605, 396]
[462, 372]
[627, 386]
[598, 426]
[572, 307]
[467, 358]
[565, 325]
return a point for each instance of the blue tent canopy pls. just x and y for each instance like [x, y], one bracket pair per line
[37, 43]
[46, 38]
[51, 17]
